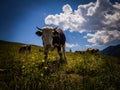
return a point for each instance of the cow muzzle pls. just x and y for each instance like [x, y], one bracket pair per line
[48, 46]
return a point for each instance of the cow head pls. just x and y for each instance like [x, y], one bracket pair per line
[47, 35]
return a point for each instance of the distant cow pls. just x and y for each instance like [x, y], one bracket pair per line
[92, 50]
[80, 52]
[89, 50]
[53, 38]
[25, 48]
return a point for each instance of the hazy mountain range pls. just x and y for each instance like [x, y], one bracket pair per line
[112, 51]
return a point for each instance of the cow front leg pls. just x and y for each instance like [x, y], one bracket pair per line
[46, 54]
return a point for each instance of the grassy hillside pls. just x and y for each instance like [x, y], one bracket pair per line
[29, 71]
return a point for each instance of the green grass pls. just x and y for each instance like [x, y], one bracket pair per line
[29, 71]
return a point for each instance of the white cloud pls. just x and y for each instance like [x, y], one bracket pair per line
[88, 45]
[67, 9]
[71, 45]
[103, 37]
[117, 5]
[101, 17]
[66, 20]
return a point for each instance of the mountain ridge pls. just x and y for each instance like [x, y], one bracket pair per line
[112, 51]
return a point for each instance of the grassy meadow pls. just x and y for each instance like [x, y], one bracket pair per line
[29, 71]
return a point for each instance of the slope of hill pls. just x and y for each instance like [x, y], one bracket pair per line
[29, 71]
[112, 51]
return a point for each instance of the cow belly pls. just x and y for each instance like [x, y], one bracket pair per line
[58, 40]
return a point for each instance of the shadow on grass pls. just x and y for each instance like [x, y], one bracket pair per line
[50, 67]
[10, 74]
[10, 69]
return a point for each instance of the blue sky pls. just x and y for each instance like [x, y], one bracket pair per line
[86, 23]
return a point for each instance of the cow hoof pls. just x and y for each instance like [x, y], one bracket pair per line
[63, 61]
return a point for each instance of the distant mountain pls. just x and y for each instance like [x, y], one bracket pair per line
[112, 51]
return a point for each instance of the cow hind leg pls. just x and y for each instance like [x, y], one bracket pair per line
[20, 50]
[64, 53]
[29, 49]
[59, 52]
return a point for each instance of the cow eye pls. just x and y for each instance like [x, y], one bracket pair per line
[44, 36]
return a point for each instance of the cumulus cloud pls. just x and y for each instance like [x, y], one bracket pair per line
[66, 20]
[71, 45]
[67, 9]
[103, 37]
[100, 18]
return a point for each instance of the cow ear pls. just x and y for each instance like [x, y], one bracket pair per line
[38, 33]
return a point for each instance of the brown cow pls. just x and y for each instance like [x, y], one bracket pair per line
[25, 48]
[53, 38]
[92, 50]
[89, 50]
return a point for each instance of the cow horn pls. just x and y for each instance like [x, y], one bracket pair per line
[38, 28]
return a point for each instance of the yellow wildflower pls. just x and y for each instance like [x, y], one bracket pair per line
[43, 61]
[45, 67]
[23, 66]
[41, 74]
[53, 57]
[33, 57]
